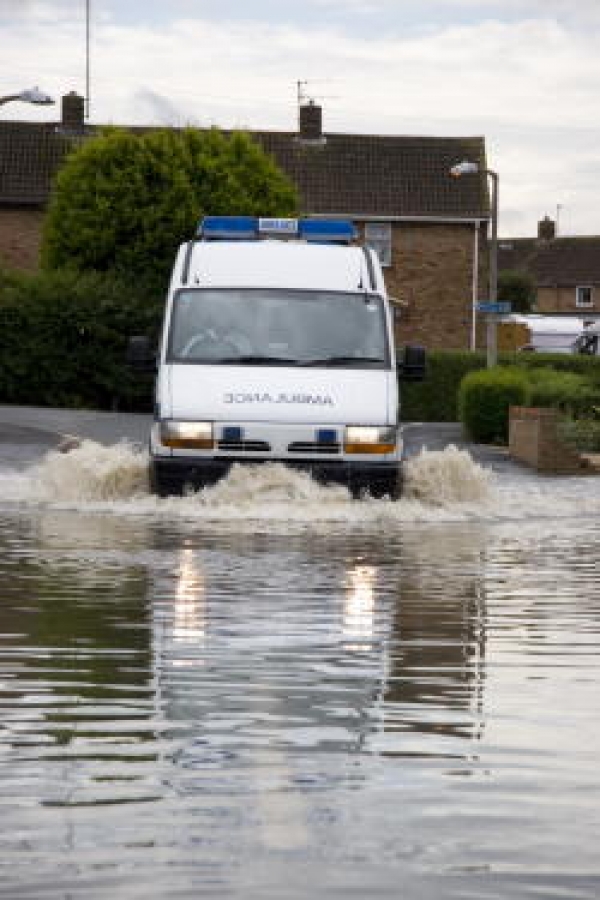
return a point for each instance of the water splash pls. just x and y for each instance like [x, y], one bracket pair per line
[271, 484]
[445, 477]
[440, 486]
[92, 472]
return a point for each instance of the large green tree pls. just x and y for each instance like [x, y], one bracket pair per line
[123, 202]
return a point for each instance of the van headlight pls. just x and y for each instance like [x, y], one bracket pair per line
[370, 439]
[187, 435]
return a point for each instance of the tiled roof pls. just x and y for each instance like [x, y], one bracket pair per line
[351, 174]
[30, 153]
[381, 175]
[560, 262]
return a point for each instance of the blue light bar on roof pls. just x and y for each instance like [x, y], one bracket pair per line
[248, 228]
[327, 231]
[228, 228]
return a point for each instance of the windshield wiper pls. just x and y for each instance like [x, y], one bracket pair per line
[255, 359]
[341, 360]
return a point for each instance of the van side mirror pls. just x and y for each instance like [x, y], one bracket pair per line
[139, 353]
[413, 364]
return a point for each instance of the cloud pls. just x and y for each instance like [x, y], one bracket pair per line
[41, 10]
[529, 86]
[480, 9]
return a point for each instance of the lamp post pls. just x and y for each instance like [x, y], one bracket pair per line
[471, 168]
[32, 95]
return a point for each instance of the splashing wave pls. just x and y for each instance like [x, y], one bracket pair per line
[444, 477]
[91, 472]
[440, 486]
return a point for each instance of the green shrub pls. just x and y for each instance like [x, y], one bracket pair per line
[571, 393]
[583, 434]
[123, 202]
[436, 398]
[63, 338]
[484, 401]
[580, 364]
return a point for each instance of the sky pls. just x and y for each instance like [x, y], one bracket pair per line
[524, 74]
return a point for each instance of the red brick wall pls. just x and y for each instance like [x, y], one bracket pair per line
[20, 233]
[563, 300]
[432, 271]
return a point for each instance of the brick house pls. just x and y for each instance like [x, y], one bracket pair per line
[428, 228]
[566, 270]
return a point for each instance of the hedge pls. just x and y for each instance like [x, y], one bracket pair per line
[580, 364]
[436, 398]
[571, 393]
[486, 396]
[63, 339]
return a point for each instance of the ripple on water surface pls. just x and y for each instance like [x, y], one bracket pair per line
[269, 690]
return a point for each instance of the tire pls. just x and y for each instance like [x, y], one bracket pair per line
[390, 486]
[158, 485]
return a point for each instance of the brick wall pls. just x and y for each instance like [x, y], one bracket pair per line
[562, 300]
[533, 439]
[432, 271]
[20, 234]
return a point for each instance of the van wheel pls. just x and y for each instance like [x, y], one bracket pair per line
[391, 487]
[397, 485]
[158, 486]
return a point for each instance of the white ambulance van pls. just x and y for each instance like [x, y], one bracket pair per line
[277, 346]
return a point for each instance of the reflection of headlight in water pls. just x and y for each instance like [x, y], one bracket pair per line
[190, 601]
[359, 606]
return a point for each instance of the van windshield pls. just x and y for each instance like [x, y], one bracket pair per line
[275, 327]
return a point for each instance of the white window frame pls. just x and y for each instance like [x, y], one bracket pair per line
[579, 292]
[378, 236]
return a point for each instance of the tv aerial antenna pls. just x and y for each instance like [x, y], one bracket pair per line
[304, 96]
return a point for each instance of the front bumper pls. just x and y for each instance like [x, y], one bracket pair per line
[173, 475]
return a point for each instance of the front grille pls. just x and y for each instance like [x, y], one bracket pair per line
[244, 446]
[313, 447]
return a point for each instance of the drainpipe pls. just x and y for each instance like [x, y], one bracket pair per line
[475, 287]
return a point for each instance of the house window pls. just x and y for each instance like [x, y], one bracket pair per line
[378, 236]
[584, 296]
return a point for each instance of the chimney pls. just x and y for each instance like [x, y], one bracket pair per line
[546, 229]
[311, 122]
[72, 112]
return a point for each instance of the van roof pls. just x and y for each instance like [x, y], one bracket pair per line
[276, 264]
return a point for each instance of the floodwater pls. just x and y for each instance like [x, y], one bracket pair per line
[271, 691]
